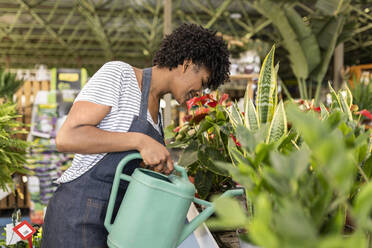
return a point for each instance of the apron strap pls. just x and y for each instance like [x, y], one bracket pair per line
[146, 81]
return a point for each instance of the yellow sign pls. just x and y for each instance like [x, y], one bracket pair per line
[70, 77]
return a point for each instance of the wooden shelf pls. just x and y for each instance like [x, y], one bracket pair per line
[243, 76]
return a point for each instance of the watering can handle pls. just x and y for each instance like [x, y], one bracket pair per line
[118, 175]
[182, 171]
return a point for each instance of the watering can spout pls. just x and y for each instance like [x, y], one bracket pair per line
[204, 215]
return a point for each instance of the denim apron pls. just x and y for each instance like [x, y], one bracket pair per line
[76, 212]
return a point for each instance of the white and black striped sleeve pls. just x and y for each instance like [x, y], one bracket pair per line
[105, 86]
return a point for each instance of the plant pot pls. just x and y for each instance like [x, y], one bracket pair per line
[243, 243]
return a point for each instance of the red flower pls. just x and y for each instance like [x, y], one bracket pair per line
[235, 140]
[196, 100]
[316, 109]
[199, 115]
[177, 129]
[223, 98]
[365, 113]
[187, 118]
[212, 104]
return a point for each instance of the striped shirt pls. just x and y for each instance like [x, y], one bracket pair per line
[114, 85]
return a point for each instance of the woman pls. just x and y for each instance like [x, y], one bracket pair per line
[117, 113]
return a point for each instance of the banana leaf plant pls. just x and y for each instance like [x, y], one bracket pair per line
[311, 41]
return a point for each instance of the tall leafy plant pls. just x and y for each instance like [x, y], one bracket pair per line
[312, 189]
[12, 149]
[310, 43]
[9, 84]
[267, 115]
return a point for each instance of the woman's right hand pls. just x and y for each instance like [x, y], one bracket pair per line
[155, 156]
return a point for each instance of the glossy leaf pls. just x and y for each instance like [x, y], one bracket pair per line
[278, 126]
[250, 117]
[266, 89]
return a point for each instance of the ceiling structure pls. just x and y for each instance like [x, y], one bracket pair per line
[87, 33]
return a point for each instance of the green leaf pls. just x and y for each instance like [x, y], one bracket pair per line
[266, 89]
[344, 106]
[332, 7]
[327, 39]
[367, 168]
[250, 116]
[208, 157]
[189, 155]
[278, 126]
[323, 111]
[232, 219]
[363, 206]
[260, 228]
[305, 36]
[203, 182]
[349, 97]
[274, 12]
[235, 116]
[335, 98]
[246, 138]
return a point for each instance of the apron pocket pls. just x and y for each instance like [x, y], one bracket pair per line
[93, 230]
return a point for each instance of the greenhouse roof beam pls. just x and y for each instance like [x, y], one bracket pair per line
[218, 13]
[87, 9]
[43, 23]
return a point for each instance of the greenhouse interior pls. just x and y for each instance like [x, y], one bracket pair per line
[247, 122]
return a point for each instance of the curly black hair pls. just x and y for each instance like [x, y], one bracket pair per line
[202, 46]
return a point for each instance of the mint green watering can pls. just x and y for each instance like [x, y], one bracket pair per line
[154, 208]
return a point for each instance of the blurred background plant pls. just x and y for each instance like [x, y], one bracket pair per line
[362, 95]
[12, 149]
[8, 85]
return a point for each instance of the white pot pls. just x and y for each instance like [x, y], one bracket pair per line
[244, 244]
[3, 193]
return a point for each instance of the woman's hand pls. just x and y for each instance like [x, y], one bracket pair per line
[155, 156]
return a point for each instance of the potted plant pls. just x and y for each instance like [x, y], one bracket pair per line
[12, 150]
[204, 138]
[308, 187]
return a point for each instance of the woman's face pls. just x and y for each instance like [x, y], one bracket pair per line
[189, 82]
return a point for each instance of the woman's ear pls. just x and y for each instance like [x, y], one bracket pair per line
[186, 64]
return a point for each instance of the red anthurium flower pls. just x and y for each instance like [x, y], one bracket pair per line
[235, 140]
[223, 98]
[201, 111]
[196, 100]
[365, 113]
[199, 115]
[212, 104]
[177, 129]
[316, 109]
[187, 118]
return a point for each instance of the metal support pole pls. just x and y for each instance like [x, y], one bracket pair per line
[167, 30]
[338, 65]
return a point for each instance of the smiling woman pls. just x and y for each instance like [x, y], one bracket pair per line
[116, 113]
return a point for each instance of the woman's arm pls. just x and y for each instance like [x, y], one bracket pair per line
[79, 134]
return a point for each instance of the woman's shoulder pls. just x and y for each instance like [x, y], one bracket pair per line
[117, 64]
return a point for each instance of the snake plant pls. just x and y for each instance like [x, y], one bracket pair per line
[267, 109]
